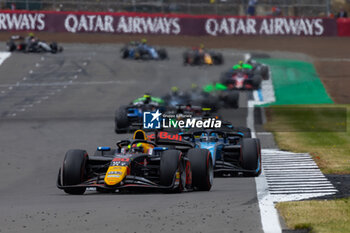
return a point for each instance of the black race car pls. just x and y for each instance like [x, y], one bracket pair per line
[31, 45]
[142, 51]
[200, 56]
[167, 163]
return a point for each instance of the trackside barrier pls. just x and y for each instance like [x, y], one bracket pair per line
[164, 24]
[343, 26]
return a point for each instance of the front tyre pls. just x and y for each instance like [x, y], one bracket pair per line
[121, 120]
[251, 156]
[170, 164]
[202, 168]
[73, 171]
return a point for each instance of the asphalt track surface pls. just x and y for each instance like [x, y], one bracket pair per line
[52, 103]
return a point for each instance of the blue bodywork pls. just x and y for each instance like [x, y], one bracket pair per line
[213, 143]
[134, 112]
[226, 149]
[144, 49]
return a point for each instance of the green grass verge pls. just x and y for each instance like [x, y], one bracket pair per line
[321, 130]
[318, 216]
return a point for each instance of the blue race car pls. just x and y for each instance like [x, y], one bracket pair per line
[130, 117]
[231, 151]
[142, 51]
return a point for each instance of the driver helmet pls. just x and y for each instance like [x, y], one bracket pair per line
[125, 149]
[147, 98]
[143, 41]
[174, 90]
[203, 137]
[31, 34]
[137, 147]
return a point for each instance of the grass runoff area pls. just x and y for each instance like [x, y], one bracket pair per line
[304, 119]
[320, 130]
[323, 132]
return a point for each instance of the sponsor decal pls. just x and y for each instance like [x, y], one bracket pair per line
[21, 22]
[157, 120]
[267, 26]
[163, 24]
[166, 135]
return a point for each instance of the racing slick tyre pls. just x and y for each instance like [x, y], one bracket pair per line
[232, 99]
[170, 163]
[251, 156]
[73, 170]
[125, 53]
[218, 59]
[202, 168]
[162, 54]
[121, 120]
[256, 82]
[246, 131]
[11, 46]
[54, 47]
[265, 72]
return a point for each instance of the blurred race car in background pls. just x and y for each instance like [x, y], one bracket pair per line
[233, 150]
[201, 56]
[166, 163]
[31, 44]
[245, 76]
[143, 51]
[217, 95]
[130, 117]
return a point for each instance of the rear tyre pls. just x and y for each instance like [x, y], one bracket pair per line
[232, 99]
[202, 169]
[121, 120]
[246, 131]
[125, 53]
[162, 54]
[170, 163]
[54, 47]
[218, 59]
[265, 72]
[11, 46]
[251, 156]
[256, 82]
[73, 170]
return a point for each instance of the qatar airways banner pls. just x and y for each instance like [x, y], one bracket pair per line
[162, 24]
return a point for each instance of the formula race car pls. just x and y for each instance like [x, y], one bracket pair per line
[31, 44]
[241, 80]
[245, 76]
[218, 95]
[232, 151]
[130, 117]
[142, 51]
[259, 69]
[171, 165]
[201, 56]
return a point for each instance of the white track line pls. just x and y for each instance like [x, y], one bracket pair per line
[285, 176]
[268, 213]
[4, 56]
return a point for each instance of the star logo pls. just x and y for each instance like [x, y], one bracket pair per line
[152, 120]
[156, 115]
